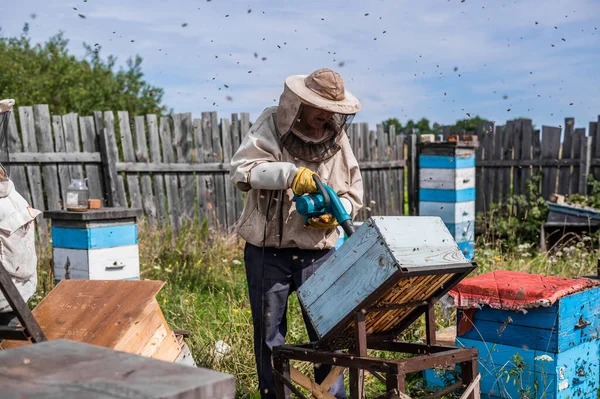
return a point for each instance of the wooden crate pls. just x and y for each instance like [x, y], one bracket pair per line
[70, 369]
[392, 268]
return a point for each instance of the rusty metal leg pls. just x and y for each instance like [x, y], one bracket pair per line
[430, 325]
[357, 375]
[469, 371]
[282, 368]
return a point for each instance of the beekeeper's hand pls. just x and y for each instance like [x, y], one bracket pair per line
[303, 182]
[325, 221]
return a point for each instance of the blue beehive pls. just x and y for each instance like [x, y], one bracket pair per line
[447, 189]
[100, 244]
[545, 352]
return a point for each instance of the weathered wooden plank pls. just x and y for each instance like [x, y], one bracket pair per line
[89, 140]
[355, 140]
[201, 181]
[133, 184]
[206, 190]
[64, 368]
[526, 153]
[381, 150]
[413, 176]
[446, 132]
[182, 130]
[584, 166]
[364, 139]
[141, 156]
[229, 194]
[511, 148]
[550, 150]
[533, 162]
[481, 172]
[166, 140]
[72, 142]
[374, 189]
[491, 172]
[43, 130]
[564, 173]
[399, 189]
[235, 143]
[59, 145]
[157, 178]
[578, 138]
[499, 172]
[110, 155]
[55, 157]
[218, 179]
[17, 172]
[245, 123]
[33, 171]
[595, 134]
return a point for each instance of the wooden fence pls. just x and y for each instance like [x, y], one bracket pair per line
[509, 155]
[174, 167]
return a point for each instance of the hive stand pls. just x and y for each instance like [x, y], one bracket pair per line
[409, 290]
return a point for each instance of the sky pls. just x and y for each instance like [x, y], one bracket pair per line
[444, 60]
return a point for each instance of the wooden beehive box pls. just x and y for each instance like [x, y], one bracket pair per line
[122, 315]
[395, 264]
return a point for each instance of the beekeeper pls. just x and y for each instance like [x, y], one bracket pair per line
[17, 229]
[305, 134]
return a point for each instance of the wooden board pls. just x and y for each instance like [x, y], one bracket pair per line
[158, 181]
[595, 133]
[183, 134]
[499, 172]
[235, 143]
[89, 139]
[511, 145]
[67, 369]
[229, 193]
[564, 173]
[206, 188]
[116, 263]
[33, 171]
[141, 155]
[526, 153]
[170, 178]
[43, 130]
[17, 172]
[550, 150]
[219, 178]
[71, 133]
[95, 312]
[63, 169]
[108, 147]
[133, 184]
[578, 138]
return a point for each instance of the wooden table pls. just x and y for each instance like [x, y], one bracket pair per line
[69, 369]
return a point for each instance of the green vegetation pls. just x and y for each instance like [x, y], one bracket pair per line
[48, 74]
[206, 293]
[423, 125]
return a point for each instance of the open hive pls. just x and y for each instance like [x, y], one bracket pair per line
[391, 269]
[118, 314]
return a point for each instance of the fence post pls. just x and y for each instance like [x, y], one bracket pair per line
[413, 175]
[109, 157]
[584, 163]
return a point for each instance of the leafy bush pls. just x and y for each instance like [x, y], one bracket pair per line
[518, 219]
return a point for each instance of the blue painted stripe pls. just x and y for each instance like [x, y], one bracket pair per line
[99, 237]
[439, 195]
[462, 231]
[445, 162]
[468, 249]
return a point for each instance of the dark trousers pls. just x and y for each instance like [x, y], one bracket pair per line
[284, 271]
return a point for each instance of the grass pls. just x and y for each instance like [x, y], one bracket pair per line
[206, 293]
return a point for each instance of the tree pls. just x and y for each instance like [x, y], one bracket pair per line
[420, 127]
[470, 125]
[48, 74]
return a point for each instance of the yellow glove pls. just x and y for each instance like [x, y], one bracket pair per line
[303, 182]
[325, 221]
